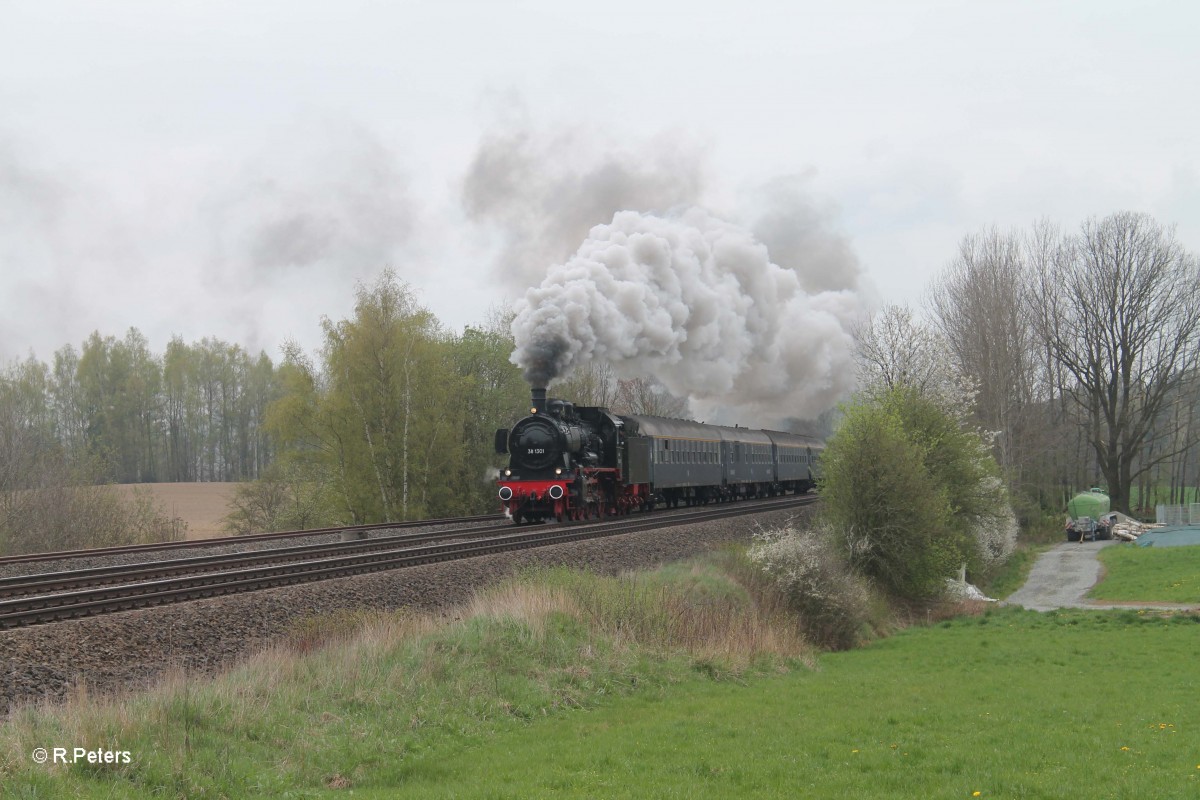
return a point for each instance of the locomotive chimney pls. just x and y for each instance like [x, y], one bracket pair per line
[538, 403]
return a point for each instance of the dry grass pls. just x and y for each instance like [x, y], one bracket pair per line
[202, 506]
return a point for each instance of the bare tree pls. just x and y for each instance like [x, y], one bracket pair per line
[592, 384]
[648, 396]
[892, 349]
[1118, 309]
[977, 306]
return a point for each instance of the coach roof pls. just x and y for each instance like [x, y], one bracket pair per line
[665, 427]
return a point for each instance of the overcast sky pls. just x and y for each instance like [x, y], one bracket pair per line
[232, 169]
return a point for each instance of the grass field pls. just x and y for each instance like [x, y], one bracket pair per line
[1014, 704]
[1150, 574]
[679, 683]
[1162, 495]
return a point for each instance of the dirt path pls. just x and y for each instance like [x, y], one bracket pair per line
[1062, 577]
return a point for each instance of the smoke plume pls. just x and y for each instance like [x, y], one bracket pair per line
[801, 235]
[545, 190]
[697, 303]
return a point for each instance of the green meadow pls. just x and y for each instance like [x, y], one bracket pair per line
[1010, 704]
[1149, 574]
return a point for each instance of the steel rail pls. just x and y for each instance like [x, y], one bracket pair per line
[19, 585]
[48, 608]
[95, 552]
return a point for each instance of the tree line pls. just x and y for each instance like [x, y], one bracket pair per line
[193, 413]
[1077, 352]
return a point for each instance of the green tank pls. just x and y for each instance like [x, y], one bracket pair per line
[1092, 503]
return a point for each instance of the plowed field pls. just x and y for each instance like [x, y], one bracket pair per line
[201, 505]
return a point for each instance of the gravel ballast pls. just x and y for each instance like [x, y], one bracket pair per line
[34, 568]
[129, 650]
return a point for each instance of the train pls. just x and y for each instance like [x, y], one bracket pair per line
[569, 462]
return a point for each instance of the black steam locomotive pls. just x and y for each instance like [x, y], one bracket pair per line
[579, 462]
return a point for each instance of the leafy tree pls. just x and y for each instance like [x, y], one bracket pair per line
[493, 394]
[384, 416]
[67, 402]
[909, 485]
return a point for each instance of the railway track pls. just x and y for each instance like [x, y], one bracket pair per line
[47, 582]
[49, 597]
[221, 541]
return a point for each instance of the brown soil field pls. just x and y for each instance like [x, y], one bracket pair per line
[201, 505]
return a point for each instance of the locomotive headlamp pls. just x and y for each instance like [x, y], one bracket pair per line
[533, 410]
[507, 472]
[558, 470]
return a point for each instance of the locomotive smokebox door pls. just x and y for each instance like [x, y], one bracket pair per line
[502, 441]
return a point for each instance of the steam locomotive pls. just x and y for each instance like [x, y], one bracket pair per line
[580, 462]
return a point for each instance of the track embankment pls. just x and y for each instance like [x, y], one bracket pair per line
[126, 651]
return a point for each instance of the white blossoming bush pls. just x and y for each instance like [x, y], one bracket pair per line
[809, 569]
[995, 537]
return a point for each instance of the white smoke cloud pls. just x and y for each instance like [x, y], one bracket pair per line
[696, 303]
[544, 189]
[801, 233]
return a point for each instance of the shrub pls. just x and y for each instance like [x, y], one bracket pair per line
[60, 506]
[918, 491]
[66, 517]
[808, 568]
[287, 497]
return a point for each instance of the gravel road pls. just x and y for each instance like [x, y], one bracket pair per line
[1062, 577]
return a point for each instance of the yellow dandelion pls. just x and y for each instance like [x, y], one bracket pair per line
[976, 794]
[1125, 748]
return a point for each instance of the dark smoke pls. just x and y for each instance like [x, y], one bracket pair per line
[57, 237]
[333, 201]
[544, 360]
